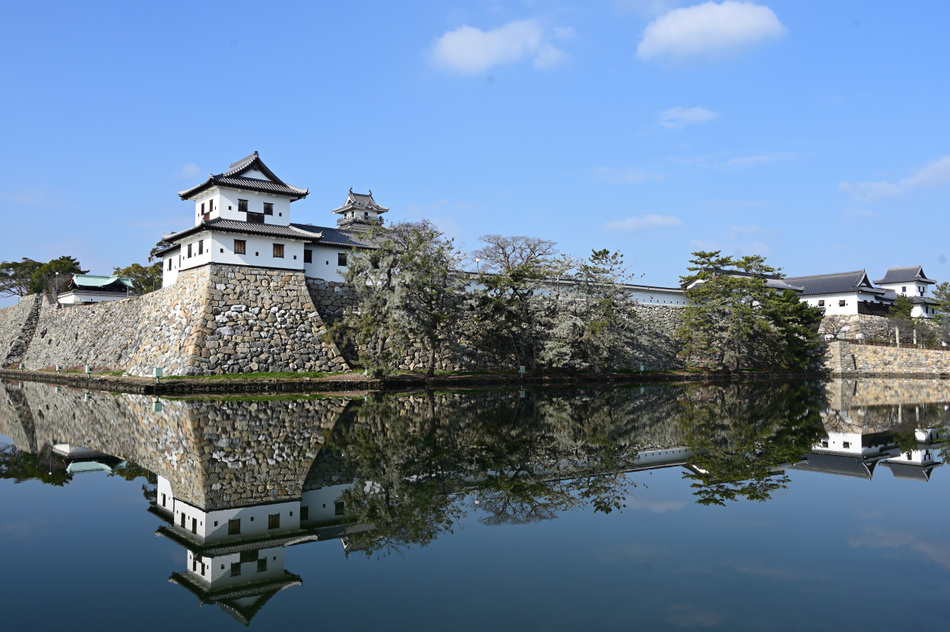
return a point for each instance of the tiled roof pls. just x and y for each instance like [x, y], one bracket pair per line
[907, 274]
[836, 464]
[334, 236]
[910, 471]
[233, 178]
[89, 281]
[360, 202]
[838, 283]
[246, 228]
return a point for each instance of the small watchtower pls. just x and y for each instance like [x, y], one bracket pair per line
[359, 212]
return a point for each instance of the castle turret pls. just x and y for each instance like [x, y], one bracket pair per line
[360, 211]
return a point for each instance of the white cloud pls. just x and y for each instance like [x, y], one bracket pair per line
[645, 7]
[37, 196]
[646, 221]
[742, 162]
[867, 191]
[468, 50]
[708, 29]
[190, 170]
[682, 116]
[716, 161]
[936, 174]
[631, 175]
[738, 242]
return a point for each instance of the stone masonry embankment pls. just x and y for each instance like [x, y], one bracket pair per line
[843, 358]
[17, 325]
[215, 319]
[656, 348]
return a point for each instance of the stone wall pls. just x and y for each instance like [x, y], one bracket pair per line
[214, 319]
[330, 298]
[17, 324]
[844, 358]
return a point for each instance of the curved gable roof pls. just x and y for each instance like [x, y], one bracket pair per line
[907, 274]
[837, 283]
[234, 178]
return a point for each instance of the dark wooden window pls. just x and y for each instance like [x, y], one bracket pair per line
[305, 513]
[308, 256]
[202, 208]
[255, 218]
[278, 251]
[242, 206]
[194, 525]
[240, 246]
[249, 556]
[273, 521]
[268, 208]
[201, 247]
[338, 508]
[183, 519]
[262, 565]
[189, 251]
[235, 569]
[234, 526]
[341, 259]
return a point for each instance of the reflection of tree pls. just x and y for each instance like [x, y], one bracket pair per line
[743, 436]
[519, 458]
[23, 466]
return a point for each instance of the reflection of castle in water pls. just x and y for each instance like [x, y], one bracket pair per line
[899, 424]
[235, 554]
[238, 482]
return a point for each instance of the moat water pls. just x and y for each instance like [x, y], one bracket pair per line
[781, 506]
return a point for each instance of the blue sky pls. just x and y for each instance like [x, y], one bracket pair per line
[810, 132]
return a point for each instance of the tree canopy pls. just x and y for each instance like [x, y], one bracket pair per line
[144, 279]
[735, 320]
[406, 292]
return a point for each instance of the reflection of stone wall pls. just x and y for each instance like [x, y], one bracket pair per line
[214, 319]
[880, 405]
[214, 453]
[843, 358]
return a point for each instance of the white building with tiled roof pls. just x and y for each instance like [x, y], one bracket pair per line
[242, 217]
[843, 293]
[911, 281]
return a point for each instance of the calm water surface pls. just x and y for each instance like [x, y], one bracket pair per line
[740, 507]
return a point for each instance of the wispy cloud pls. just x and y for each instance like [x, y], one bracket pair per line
[883, 538]
[631, 175]
[681, 116]
[645, 7]
[687, 616]
[39, 197]
[658, 506]
[190, 170]
[708, 29]
[738, 241]
[743, 162]
[644, 221]
[468, 50]
[936, 174]
[717, 161]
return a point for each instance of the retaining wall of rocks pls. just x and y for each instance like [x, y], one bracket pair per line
[215, 319]
[843, 358]
[16, 326]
